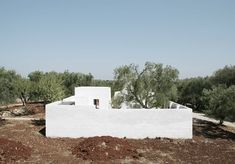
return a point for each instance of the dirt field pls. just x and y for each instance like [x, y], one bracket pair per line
[24, 142]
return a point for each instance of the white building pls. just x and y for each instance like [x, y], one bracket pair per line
[90, 97]
[88, 113]
[96, 97]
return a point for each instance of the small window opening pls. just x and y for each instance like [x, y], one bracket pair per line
[96, 103]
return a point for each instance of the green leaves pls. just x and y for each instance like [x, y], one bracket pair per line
[24, 89]
[51, 88]
[221, 102]
[150, 87]
[8, 91]
[191, 92]
[224, 76]
[72, 80]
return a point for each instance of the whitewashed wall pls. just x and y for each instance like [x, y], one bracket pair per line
[74, 121]
[84, 96]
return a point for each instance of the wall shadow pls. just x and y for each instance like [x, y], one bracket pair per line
[40, 122]
[210, 130]
[43, 131]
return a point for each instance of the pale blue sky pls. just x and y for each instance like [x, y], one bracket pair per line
[195, 36]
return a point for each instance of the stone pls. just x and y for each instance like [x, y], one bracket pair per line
[20, 111]
[7, 114]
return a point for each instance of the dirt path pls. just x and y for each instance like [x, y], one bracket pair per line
[202, 116]
[20, 118]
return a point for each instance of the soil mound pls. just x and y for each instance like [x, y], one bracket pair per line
[12, 151]
[104, 148]
[35, 108]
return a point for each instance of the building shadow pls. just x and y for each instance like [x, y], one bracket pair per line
[43, 131]
[40, 122]
[211, 130]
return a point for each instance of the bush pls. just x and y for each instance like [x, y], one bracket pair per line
[221, 102]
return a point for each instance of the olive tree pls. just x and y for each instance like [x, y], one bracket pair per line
[224, 76]
[51, 87]
[191, 92]
[153, 86]
[8, 91]
[221, 102]
[24, 89]
[75, 79]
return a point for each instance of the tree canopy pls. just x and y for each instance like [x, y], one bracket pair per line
[224, 76]
[221, 102]
[150, 87]
[8, 91]
[191, 92]
[72, 80]
[24, 89]
[51, 87]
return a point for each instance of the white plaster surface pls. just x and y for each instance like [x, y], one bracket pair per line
[84, 96]
[80, 121]
[71, 98]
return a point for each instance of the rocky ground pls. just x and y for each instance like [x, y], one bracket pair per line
[25, 142]
[32, 110]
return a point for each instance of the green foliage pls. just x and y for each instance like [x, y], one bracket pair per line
[67, 81]
[191, 92]
[24, 89]
[51, 87]
[107, 83]
[221, 102]
[151, 87]
[224, 76]
[8, 91]
[72, 80]
[35, 76]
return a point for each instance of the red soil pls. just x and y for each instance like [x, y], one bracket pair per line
[104, 148]
[13, 151]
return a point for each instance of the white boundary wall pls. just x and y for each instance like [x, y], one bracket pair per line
[73, 121]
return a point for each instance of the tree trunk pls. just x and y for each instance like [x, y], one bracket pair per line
[221, 121]
[22, 100]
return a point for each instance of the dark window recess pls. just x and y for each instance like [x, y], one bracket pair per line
[96, 103]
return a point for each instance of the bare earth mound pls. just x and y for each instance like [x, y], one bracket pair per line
[35, 108]
[210, 144]
[104, 148]
[13, 151]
